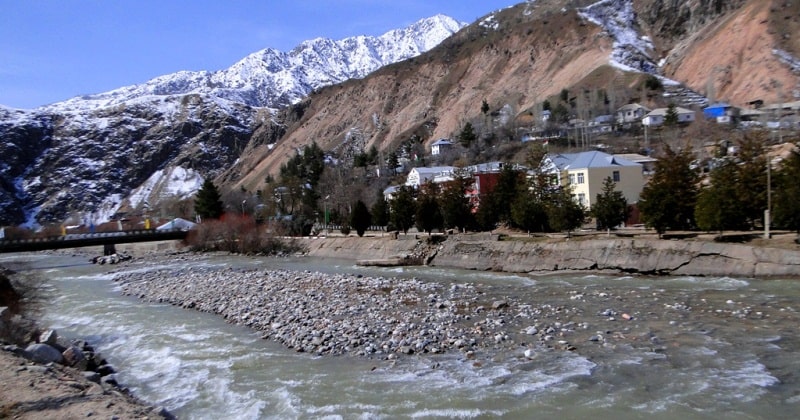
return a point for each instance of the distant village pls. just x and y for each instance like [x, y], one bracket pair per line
[586, 171]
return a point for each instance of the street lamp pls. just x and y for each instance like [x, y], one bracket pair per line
[243, 203]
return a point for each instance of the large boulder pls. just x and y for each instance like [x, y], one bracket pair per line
[44, 353]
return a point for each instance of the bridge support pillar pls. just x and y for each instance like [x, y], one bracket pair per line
[109, 249]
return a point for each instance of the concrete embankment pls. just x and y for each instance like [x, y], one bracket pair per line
[627, 255]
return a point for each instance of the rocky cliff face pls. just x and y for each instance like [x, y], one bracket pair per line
[518, 57]
[77, 162]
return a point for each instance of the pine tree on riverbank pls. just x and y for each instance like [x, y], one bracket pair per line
[208, 202]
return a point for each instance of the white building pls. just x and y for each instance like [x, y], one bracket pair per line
[631, 113]
[656, 117]
[441, 146]
[419, 176]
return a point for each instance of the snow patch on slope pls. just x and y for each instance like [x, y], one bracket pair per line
[179, 183]
[788, 59]
[631, 52]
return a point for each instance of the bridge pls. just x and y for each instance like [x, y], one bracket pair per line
[77, 240]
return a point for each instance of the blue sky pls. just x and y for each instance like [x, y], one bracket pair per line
[52, 50]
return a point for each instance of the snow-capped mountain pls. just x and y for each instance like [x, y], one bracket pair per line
[95, 153]
[274, 79]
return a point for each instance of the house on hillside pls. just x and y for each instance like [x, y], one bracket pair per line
[656, 117]
[722, 112]
[586, 171]
[390, 192]
[441, 146]
[419, 176]
[631, 113]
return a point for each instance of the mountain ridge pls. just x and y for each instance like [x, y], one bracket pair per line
[97, 157]
[274, 79]
[98, 149]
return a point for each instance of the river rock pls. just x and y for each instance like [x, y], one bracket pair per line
[44, 353]
[499, 304]
[73, 356]
[49, 337]
[92, 376]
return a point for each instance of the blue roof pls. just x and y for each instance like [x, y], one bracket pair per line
[441, 142]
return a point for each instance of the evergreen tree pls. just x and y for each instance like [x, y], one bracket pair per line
[671, 116]
[484, 107]
[208, 201]
[564, 214]
[467, 135]
[529, 208]
[455, 206]
[505, 191]
[717, 207]
[360, 219]
[528, 212]
[392, 162]
[380, 211]
[402, 209]
[786, 210]
[751, 177]
[653, 83]
[428, 216]
[611, 207]
[668, 200]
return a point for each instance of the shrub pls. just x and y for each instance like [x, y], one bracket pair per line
[240, 234]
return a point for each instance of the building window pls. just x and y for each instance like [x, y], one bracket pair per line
[582, 198]
[571, 178]
[616, 176]
[580, 178]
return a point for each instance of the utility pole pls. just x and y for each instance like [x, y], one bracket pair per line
[768, 211]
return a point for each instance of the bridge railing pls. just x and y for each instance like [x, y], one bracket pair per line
[88, 239]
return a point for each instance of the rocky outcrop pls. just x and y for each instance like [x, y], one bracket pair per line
[624, 255]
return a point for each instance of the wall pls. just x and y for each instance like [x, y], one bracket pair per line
[647, 256]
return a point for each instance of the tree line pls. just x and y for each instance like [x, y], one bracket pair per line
[733, 196]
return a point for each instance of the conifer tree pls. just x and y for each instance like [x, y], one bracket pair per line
[428, 216]
[467, 135]
[380, 211]
[360, 219]
[751, 177]
[402, 209]
[611, 207]
[563, 213]
[208, 201]
[455, 206]
[668, 200]
[717, 207]
[787, 194]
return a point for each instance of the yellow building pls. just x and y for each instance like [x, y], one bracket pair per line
[586, 171]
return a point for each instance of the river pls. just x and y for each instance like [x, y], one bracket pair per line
[717, 347]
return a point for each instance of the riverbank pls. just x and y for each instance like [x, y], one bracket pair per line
[596, 254]
[34, 391]
[54, 378]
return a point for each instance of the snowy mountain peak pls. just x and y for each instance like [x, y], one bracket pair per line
[272, 78]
